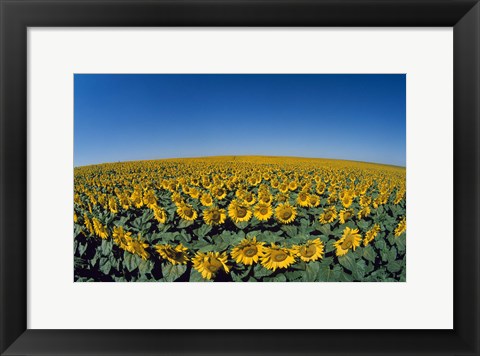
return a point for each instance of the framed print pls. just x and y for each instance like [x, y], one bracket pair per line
[269, 149]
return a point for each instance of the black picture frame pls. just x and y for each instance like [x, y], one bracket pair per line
[17, 15]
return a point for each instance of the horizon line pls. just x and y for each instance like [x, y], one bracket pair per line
[211, 156]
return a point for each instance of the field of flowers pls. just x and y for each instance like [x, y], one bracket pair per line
[239, 218]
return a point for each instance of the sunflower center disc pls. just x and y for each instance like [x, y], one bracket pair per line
[250, 251]
[241, 212]
[215, 216]
[286, 214]
[213, 265]
[263, 211]
[280, 256]
[347, 243]
[212, 268]
[308, 251]
[188, 212]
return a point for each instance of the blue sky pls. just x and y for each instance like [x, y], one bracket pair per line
[123, 117]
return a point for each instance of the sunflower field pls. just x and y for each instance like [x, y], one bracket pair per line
[240, 219]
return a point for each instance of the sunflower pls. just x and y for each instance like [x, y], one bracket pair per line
[263, 211]
[219, 192]
[210, 263]
[292, 185]
[302, 198]
[310, 251]
[112, 204]
[249, 198]
[121, 238]
[399, 197]
[350, 240]
[195, 181]
[137, 199]
[248, 251]
[365, 200]
[371, 234]
[274, 183]
[345, 215]
[214, 216]
[332, 198]
[160, 214]
[100, 230]
[75, 217]
[194, 193]
[401, 227]
[187, 212]
[347, 200]
[124, 201]
[207, 184]
[137, 247]
[186, 189]
[364, 212]
[320, 188]
[238, 211]
[313, 200]
[177, 198]
[285, 213]
[265, 198]
[282, 197]
[206, 199]
[88, 224]
[283, 187]
[176, 256]
[277, 257]
[329, 215]
[149, 199]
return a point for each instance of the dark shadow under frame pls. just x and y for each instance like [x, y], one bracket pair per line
[17, 15]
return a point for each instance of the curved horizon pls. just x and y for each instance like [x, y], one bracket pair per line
[221, 156]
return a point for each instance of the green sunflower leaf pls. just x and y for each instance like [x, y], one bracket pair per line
[242, 224]
[392, 254]
[312, 270]
[294, 276]
[329, 247]
[277, 278]
[172, 272]
[259, 271]
[369, 254]
[327, 274]
[208, 248]
[130, 261]
[290, 230]
[380, 244]
[359, 272]
[203, 230]
[363, 225]
[345, 277]
[82, 249]
[394, 266]
[106, 247]
[145, 267]
[184, 223]
[348, 261]
[401, 242]
[325, 229]
[105, 267]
